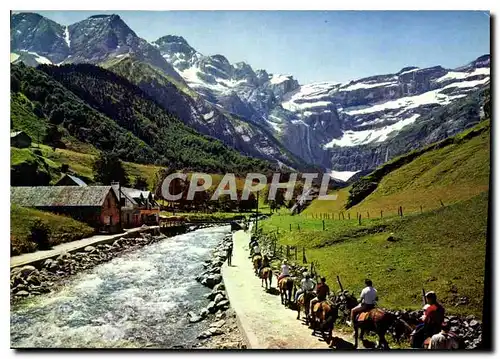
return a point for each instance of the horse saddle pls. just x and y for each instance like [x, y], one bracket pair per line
[317, 306]
[371, 314]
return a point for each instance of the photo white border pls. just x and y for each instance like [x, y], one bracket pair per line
[210, 5]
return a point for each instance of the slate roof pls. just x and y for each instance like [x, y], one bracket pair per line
[78, 181]
[124, 194]
[59, 196]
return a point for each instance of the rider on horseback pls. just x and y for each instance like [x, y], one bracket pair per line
[431, 320]
[322, 291]
[444, 339]
[306, 285]
[367, 301]
[253, 242]
[264, 264]
[285, 270]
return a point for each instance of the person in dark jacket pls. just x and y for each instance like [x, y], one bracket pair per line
[322, 291]
[229, 254]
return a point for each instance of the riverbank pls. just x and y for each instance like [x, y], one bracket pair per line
[223, 331]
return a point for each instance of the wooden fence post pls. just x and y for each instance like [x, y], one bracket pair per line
[295, 252]
[323, 224]
[401, 210]
[367, 214]
[298, 226]
[343, 216]
[290, 227]
[381, 214]
[348, 215]
[421, 211]
[287, 251]
[359, 219]
[442, 204]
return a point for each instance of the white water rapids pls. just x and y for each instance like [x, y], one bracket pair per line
[138, 299]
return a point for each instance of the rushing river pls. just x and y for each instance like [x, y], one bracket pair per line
[139, 299]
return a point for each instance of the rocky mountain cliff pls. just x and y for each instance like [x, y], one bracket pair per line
[345, 127]
[320, 122]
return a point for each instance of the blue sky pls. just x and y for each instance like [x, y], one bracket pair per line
[318, 45]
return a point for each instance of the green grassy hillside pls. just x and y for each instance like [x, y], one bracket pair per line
[41, 165]
[449, 171]
[62, 229]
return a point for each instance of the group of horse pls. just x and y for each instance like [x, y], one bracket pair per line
[321, 319]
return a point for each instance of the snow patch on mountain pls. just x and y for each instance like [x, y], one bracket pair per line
[454, 75]
[355, 138]
[362, 85]
[38, 58]
[466, 84]
[409, 71]
[277, 79]
[426, 98]
[342, 175]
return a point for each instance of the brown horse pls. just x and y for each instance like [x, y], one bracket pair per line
[323, 317]
[266, 276]
[376, 320]
[257, 261]
[285, 286]
[304, 301]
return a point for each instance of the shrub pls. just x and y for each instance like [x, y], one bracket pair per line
[40, 234]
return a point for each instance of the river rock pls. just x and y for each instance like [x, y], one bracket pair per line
[220, 315]
[215, 331]
[215, 270]
[21, 287]
[204, 313]
[219, 287]
[26, 270]
[33, 279]
[204, 335]
[214, 293]
[194, 318]
[211, 307]
[224, 304]
[218, 298]
[48, 263]
[218, 324]
[22, 293]
[212, 280]
[473, 323]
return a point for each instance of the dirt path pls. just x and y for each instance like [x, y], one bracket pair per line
[265, 322]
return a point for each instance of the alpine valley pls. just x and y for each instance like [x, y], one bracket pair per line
[344, 128]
